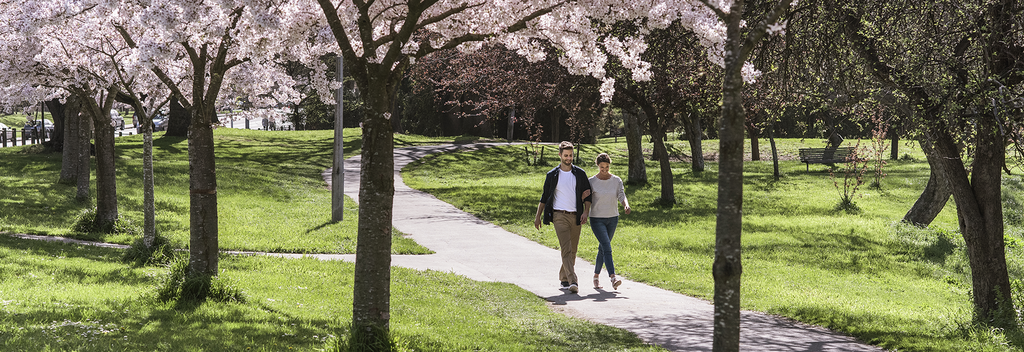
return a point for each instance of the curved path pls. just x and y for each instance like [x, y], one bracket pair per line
[480, 250]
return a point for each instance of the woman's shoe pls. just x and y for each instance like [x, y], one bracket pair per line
[616, 281]
[597, 283]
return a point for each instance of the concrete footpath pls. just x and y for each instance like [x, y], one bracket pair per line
[468, 246]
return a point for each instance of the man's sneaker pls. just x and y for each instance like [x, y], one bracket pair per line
[565, 285]
[573, 288]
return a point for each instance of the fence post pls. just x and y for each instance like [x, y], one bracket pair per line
[3, 138]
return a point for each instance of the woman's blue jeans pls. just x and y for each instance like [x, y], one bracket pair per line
[604, 230]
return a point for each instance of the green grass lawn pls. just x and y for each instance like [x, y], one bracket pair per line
[272, 196]
[61, 297]
[862, 273]
[14, 120]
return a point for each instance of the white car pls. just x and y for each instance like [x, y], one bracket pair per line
[116, 120]
[160, 122]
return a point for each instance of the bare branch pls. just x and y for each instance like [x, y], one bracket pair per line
[157, 71]
[721, 14]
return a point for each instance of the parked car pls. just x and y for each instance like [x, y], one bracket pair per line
[160, 123]
[37, 127]
[5, 129]
[116, 120]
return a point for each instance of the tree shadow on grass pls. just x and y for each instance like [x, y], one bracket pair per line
[19, 265]
[887, 331]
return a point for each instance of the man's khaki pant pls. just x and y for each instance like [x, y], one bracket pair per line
[568, 240]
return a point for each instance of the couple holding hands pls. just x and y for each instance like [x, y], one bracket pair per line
[569, 199]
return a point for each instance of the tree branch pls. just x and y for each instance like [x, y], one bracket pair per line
[472, 37]
[167, 81]
[758, 32]
[721, 14]
[334, 22]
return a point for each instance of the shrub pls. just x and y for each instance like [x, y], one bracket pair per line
[185, 287]
[852, 177]
[392, 341]
[161, 252]
[85, 226]
[878, 147]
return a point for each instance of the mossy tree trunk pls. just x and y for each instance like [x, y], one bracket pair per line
[637, 167]
[72, 143]
[106, 170]
[695, 135]
[727, 267]
[935, 194]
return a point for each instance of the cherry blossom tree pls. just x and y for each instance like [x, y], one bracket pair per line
[205, 52]
[377, 38]
[55, 50]
[727, 267]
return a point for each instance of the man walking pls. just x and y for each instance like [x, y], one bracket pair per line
[563, 202]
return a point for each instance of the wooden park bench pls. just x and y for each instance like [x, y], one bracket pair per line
[825, 155]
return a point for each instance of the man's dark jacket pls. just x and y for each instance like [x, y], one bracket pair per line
[548, 197]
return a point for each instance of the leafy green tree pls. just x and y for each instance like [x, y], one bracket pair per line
[952, 61]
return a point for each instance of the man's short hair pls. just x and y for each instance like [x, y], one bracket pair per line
[565, 145]
[603, 158]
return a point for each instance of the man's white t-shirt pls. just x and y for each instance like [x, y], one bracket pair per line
[565, 191]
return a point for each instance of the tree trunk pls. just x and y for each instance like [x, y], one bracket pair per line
[755, 147]
[148, 187]
[179, 120]
[556, 130]
[935, 195]
[656, 124]
[106, 171]
[668, 194]
[71, 144]
[693, 131]
[637, 167]
[83, 167]
[203, 245]
[58, 112]
[371, 299]
[894, 133]
[727, 267]
[979, 208]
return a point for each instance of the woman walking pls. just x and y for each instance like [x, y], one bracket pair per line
[608, 191]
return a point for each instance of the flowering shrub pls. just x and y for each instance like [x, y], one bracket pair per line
[878, 147]
[851, 176]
